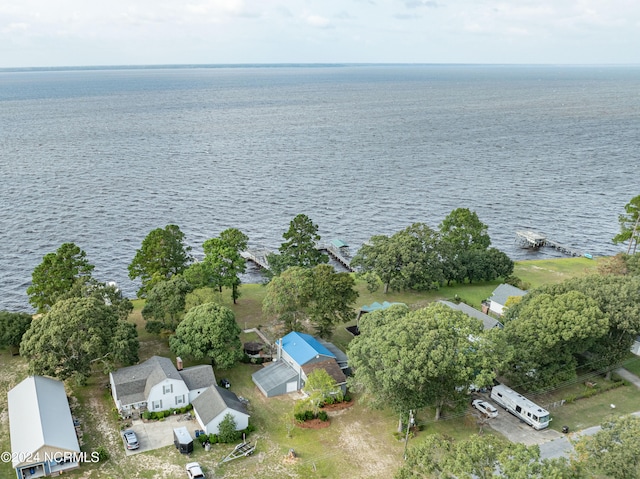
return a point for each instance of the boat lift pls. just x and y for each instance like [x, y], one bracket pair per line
[243, 449]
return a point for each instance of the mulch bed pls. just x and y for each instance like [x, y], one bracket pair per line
[313, 424]
[337, 406]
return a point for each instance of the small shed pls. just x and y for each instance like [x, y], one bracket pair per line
[183, 440]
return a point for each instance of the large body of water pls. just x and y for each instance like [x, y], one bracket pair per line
[102, 157]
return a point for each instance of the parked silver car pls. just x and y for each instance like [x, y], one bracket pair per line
[485, 408]
[130, 439]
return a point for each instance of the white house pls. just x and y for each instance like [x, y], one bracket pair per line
[158, 385]
[43, 436]
[211, 407]
[500, 296]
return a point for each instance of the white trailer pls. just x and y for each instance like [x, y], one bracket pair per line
[520, 406]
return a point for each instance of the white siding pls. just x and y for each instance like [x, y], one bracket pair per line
[241, 419]
[163, 395]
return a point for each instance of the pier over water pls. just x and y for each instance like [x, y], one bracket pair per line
[533, 239]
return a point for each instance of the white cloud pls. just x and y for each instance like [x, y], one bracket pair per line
[211, 31]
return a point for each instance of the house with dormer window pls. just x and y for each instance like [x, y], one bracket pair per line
[157, 385]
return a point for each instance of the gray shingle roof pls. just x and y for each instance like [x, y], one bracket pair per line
[134, 383]
[341, 357]
[215, 400]
[487, 320]
[198, 377]
[330, 366]
[504, 291]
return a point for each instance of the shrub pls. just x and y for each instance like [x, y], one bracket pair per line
[202, 438]
[103, 454]
[227, 429]
[250, 428]
[154, 327]
[213, 438]
[322, 415]
[146, 415]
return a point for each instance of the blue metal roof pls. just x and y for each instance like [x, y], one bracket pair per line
[303, 348]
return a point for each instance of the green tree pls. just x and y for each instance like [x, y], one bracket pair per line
[481, 457]
[299, 249]
[320, 295]
[332, 298]
[547, 333]
[410, 360]
[377, 259]
[166, 301]
[614, 451]
[617, 298]
[56, 275]
[211, 331]
[409, 259]
[288, 296]
[629, 225]
[319, 386]
[12, 328]
[463, 229]
[76, 334]
[227, 429]
[163, 254]
[223, 260]
[110, 294]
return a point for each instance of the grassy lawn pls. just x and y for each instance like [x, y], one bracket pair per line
[359, 440]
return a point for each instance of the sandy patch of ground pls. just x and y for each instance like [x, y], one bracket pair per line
[372, 455]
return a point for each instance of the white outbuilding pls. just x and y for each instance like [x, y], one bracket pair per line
[43, 435]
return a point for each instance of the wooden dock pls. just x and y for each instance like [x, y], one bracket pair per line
[339, 251]
[336, 249]
[533, 239]
[257, 256]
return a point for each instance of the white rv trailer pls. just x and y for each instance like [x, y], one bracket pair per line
[520, 406]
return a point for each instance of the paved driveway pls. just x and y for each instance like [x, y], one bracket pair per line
[157, 434]
[516, 430]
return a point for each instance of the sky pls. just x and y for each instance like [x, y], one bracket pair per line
[50, 33]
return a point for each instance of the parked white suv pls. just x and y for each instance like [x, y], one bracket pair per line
[194, 471]
[485, 408]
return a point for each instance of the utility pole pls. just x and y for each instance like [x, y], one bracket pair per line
[406, 438]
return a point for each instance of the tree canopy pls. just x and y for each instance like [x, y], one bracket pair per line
[57, 274]
[299, 249]
[12, 328]
[614, 451]
[420, 258]
[413, 359]
[611, 303]
[166, 302]
[209, 331]
[547, 333]
[223, 263]
[629, 225]
[163, 254]
[481, 457]
[76, 334]
[320, 295]
[463, 229]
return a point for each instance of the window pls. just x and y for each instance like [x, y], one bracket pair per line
[180, 399]
[156, 405]
[167, 389]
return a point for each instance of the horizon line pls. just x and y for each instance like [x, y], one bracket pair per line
[298, 64]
